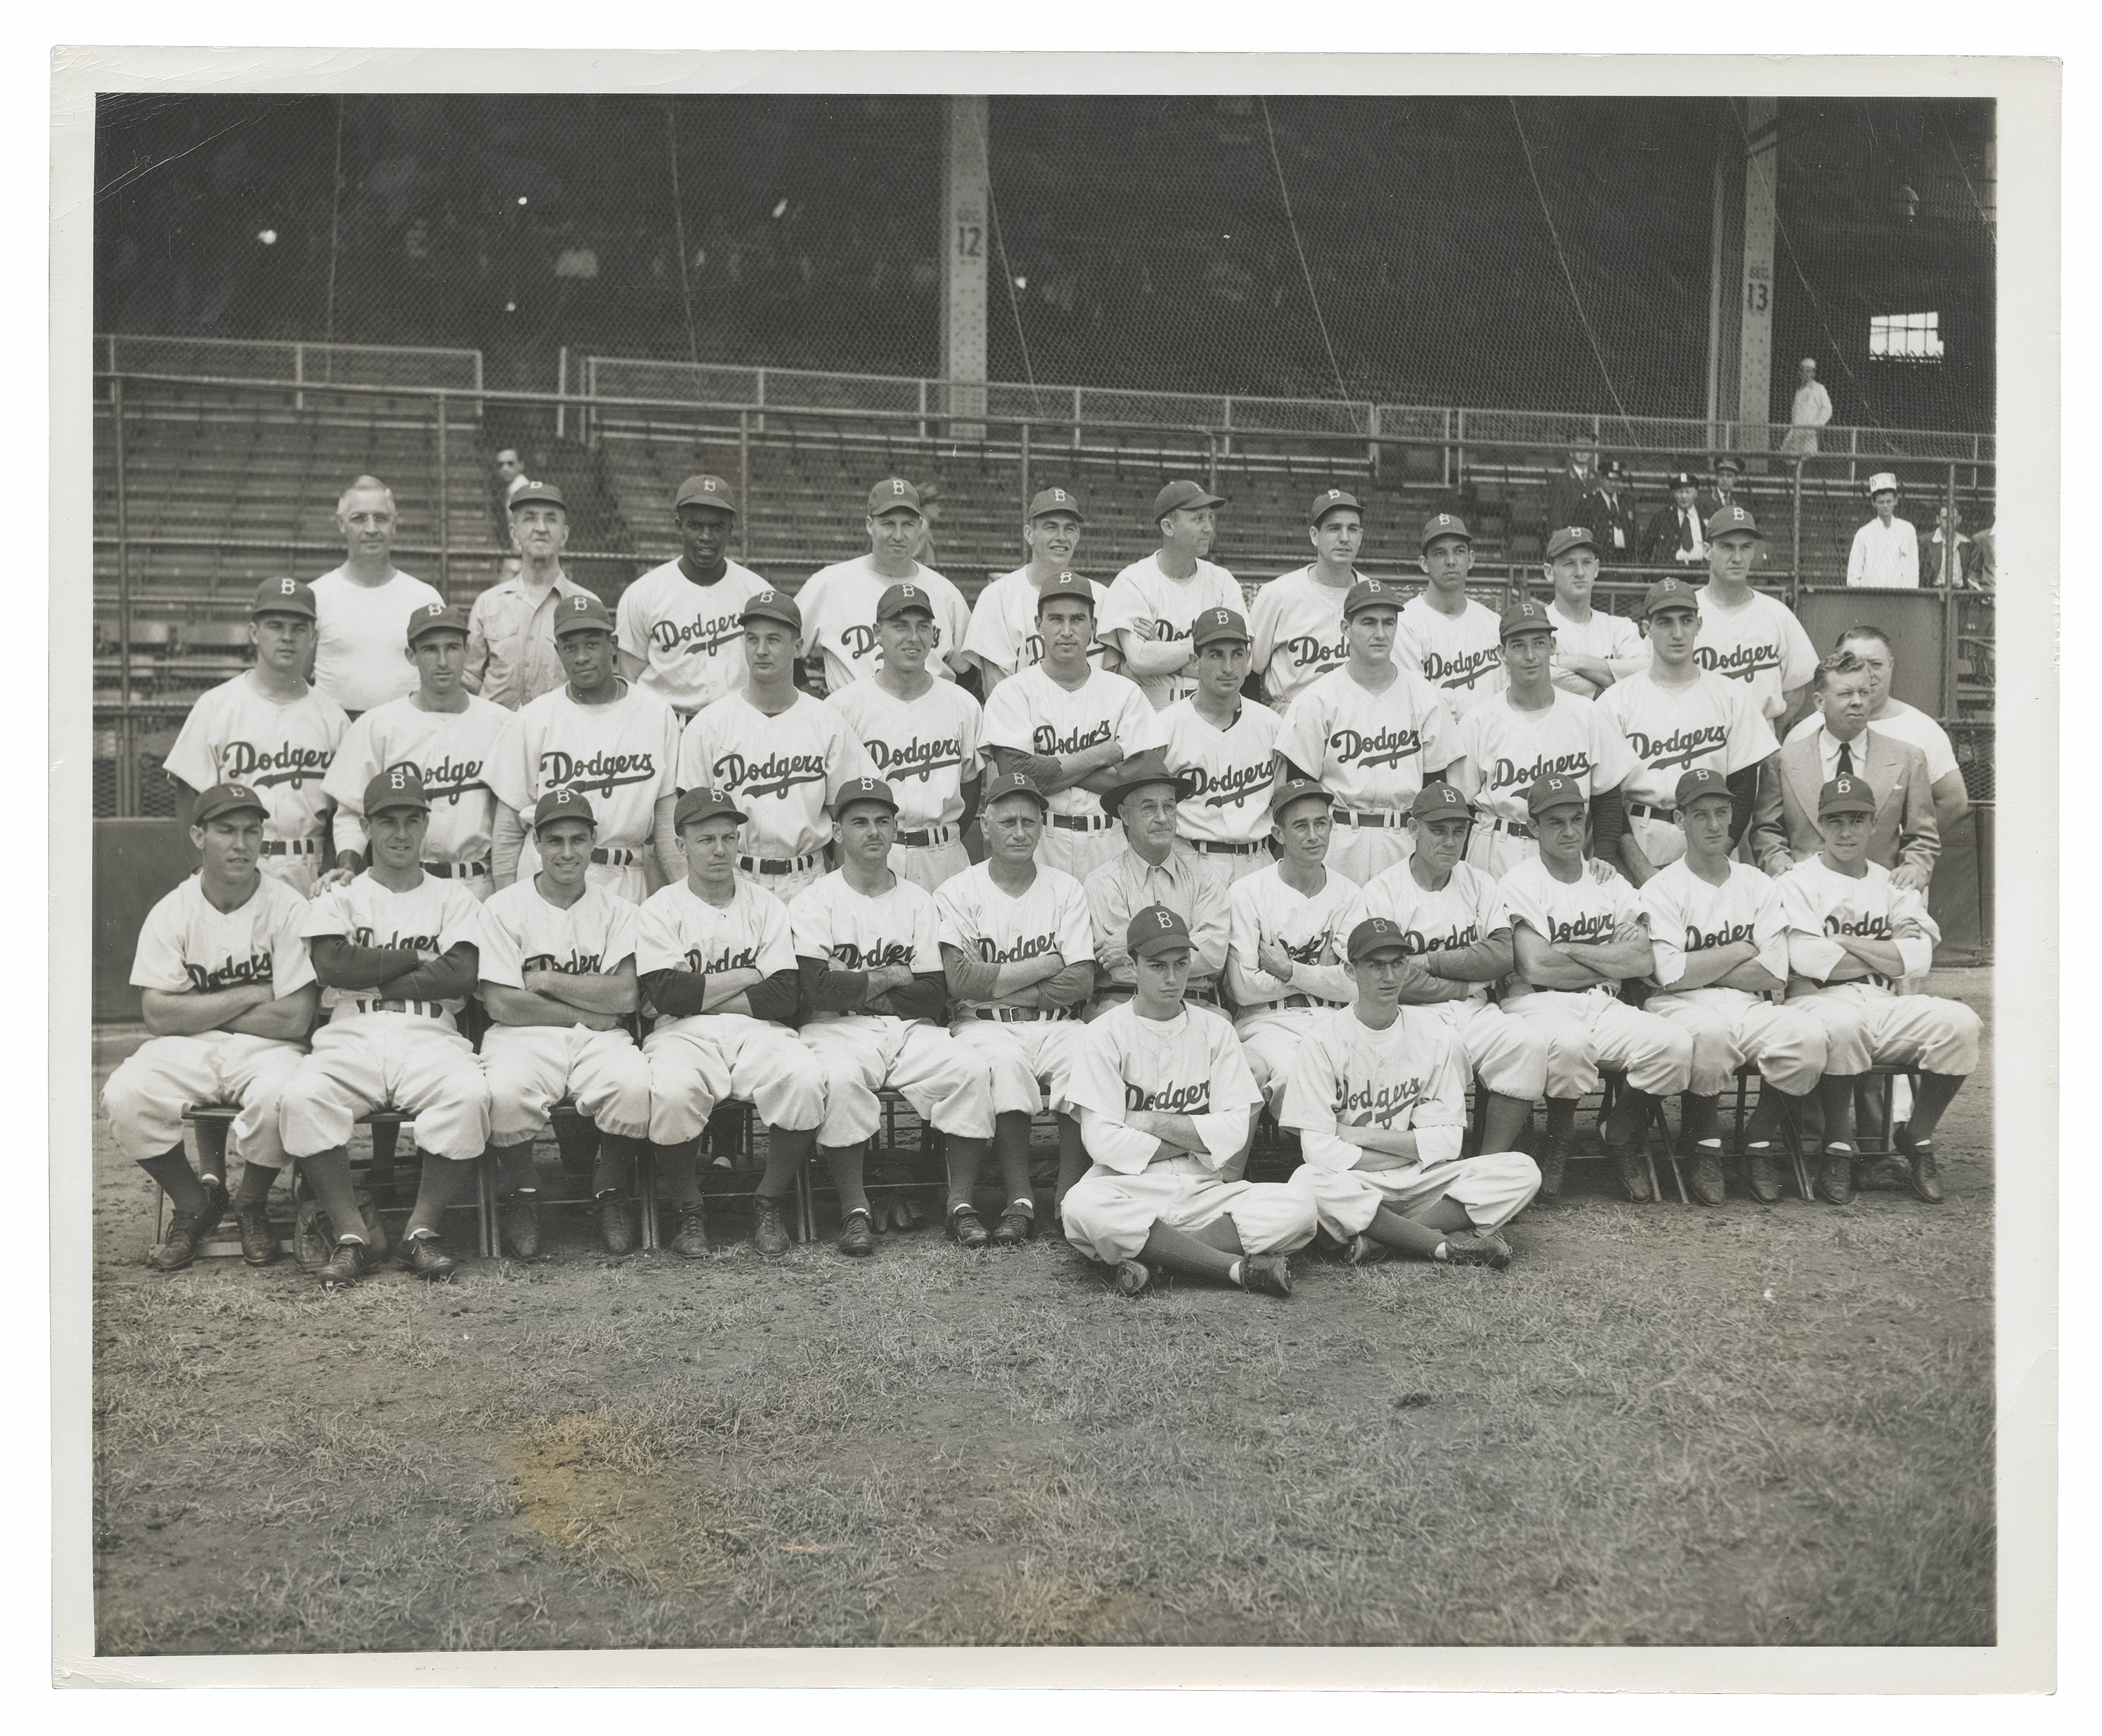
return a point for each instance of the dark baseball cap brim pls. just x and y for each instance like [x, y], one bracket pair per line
[1839, 804]
[221, 800]
[572, 625]
[696, 805]
[779, 608]
[1174, 940]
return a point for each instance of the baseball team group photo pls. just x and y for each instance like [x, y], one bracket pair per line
[845, 896]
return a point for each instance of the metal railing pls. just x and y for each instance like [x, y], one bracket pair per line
[208, 358]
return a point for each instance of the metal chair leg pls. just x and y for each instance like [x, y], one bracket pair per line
[806, 1201]
[485, 1202]
[1791, 1134]
[645, 1194]
[1661, 1127]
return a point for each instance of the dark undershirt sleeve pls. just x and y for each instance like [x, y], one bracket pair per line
[677, 994]
[825, 990]
[1609, 820]
[774, 999]
[1743, 794]
[923, 997]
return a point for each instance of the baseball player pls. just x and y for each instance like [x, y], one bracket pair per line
[1576, 939]
[1220, 746]
[869, 948]
[681, 625]
[1004, 638]
[1066, 726]
[604, 737]
[1378, 1093]
[1853, 935]
[1457, 932]
[1018, 951]
[1746, 636]
[1678, 717]
[1443, 632]
[269, 731]
[1154, 602]
[1167, 1103]
[1527, 729]
[227, 994]
[1296, 622]
[449, 735]
[784, 756]
[923, 736]
[362, 607]
[396, 953]
[1721, 944]
[839, 602]
[558, 979]
[1149, 870]
[718, 968]
[1593, 649]
[1373, 733]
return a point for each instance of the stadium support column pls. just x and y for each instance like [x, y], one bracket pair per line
[1755, 328]
[966, 181]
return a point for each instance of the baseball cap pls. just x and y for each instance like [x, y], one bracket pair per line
[1374, 934]
[899, 598]
[1014, 783]
[705, 491]
[539, 494]
[889, 495]
[856, 790]
[563, 804]
[1369, 592]
[1845, 795]
[1155, 929]
[436, 618]
[1883, 481]
[1056, 500]
[1569, 537]
[1669, 593]
[398, 787]
[1135, 773]
[1067, 584]
[1702, 780]
[1444, 524]
[284, 596]
[1216, 623]
[1682, 479]
[1175, 496]
[1728, 461]
[582, 612]
[227, 799]
[1734, 517]
[1297, 790]
[1523, 616]
[1611, 467]
[1327, 500]
[1436, 801]
[773, 606]
[1548, 793]
[705, 804]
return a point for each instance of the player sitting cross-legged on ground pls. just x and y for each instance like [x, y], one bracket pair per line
[228, 993]
[1721, 944]
[1378, 1093]
[558, 979]
[1019, 952]
[1853, 935]
[397, 952]
[1167, 1102]
[718, 968]
[869, 948]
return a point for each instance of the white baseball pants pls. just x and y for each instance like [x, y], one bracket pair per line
[696, 1062]
[1495, 851]
[1730, 1027]
[1221, 869]
[1108, 1216]
[530, 1068]
[387, 1061]
[928, 866]
[1493, 1188]
[146, 1095]
[947, 1085]
[1079, 853]
[1270, 1039]
[1586, 1031]
[1864, 1024]
[1360, 853]
[298, 872]
[785, 885]
[1017, 1054]
[1506, 1055]
[1661, 840]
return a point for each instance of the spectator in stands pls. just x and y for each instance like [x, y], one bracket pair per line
[1812, 411]
[1673, 534]
[365, 605]
[1568, 489]
[1886, 553]
[1932, 551]
[511, 656]
[930, 516]
[1607, 513]
[1985, 557]
[510, 478]
[1726, 487]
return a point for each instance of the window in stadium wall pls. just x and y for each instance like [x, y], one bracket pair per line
[1905, 337]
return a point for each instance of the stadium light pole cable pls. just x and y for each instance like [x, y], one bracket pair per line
[1006, 270]
[1299, 247]
[1568, 276]
[678, 223]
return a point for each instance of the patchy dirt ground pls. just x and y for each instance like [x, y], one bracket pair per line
[1664, 1425]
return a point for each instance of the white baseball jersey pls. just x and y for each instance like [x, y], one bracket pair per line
[1506, 751]
[235, 734]
[187, 945]
[1033, 714]
[361, 631]
[1312, 931]
[430, 920]
[1143, 593]
[1296, 633]
[1761, 643]
[925, 749]
[1610, 638]
[1003, 630]
[982, 922]
[1584, 910]
[621, 757]
[1460, 655]
[832, 920]
[1688, 915]
[1671, 731]
[839, 619]
[451, 750]
[522, 931]
[1466, 911]
[1905, 724]
[1818, 903]
[679, 930]
[783, 770]
[1370, 749]
[1231, 771]
[1191, 1065]
[1410, 1077]
[690, 636]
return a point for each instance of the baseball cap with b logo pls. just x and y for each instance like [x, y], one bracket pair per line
[705, 805]
[899, 598]
[1438, 801]
[1374, 934]
[581, 614]
[1370, 593]
[1015, 783]
[1328, 501]
[891, 493]
[1445, 525]
[1154, 930]
[563, 804]
[1569, 537]
[1174, 496]
[705, 491]
[436, 618]
[772, 605]
[283, 596]
[1845, 795]
[1216, 623]
[1702, 780]
[1297, 790]
[858, 790]
[1673, 593]
[224, 798]
[1549, 793]
[1524, 615]
[398, 787]
[1734, 517]
[1051, 500]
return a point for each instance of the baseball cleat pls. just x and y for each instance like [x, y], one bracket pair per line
[1707, 1183]
[1835, 1177]
[351, 1261]
[616, 1225]
[769, 1235]
[1925, 1179]
[1553, 1165]
[1477, 1248]
[1013, 1228]
[1266, 1274]
[965, 1230]
[179, 1247]
[425, 1257]
[519, 1221]
[855, 1236]
[1132, 1276]
[1634, 1175]
[1761, 1175]
[258, 1242]
[1361, 1251]
[692, 1241]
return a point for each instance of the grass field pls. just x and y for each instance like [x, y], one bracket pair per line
[1665, 1425]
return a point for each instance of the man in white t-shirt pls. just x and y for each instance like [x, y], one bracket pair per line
[1593, 649]
[1871, 647]
[1221, 746]
[1153, 603]
[1444, 634]
[1886, 552]
[1296, 622]
[838, 602]
[1745, 635]
[1003, 638]
[363, 607]
[681, 624]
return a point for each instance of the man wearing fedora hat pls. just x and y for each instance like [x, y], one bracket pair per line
[1150, 871]
[1726, 487]
[1886, 552]
[1673, 534]
[1153, 603]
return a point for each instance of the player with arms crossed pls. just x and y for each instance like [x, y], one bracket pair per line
[1066, 726]
[1854, 934]
[1443, 632]
[1018, 952]
[558, 978]
[869, 947]
[1721, 944]
[681, 630]
[269, 731]
[839, 602]
[227, 994]
[1746, 636]
[1221, 748]
[397, 953]
[1378, 1093]
[1593, 649]
[1003, 639]
[718, 967]
[1150, 871]
[1296, 622]
[1152, 603]
[1577, 939]
[1167, 1103]
[922, 736]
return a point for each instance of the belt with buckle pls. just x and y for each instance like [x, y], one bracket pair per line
[416, 1009]
[1213, 849]
[1209, 997]
[1641, 812]
[934, 835]
[1022, 1014]
[617, 858]
[1083, 822]
[1379, 817]
[292, 847]
[456, 870]
[776, 864]
[1290, 1000]
[1513, 827]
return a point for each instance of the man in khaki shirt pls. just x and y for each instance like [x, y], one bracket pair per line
[510, 633]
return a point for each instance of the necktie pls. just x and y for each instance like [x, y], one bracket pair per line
[1846, 759]
[1685, 530]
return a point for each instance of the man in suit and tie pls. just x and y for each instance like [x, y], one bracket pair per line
[1606, 513]
[1674, 532]
[1726, 488]
[1567, 488]
[1785, 831]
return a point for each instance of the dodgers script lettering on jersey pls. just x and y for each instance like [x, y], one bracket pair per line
[775, 775]
[1680, 749]
[1377, 1104]
[234, 973]
[601, 771]
[262, 766]
[1380, 747]
[1170, 1100]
